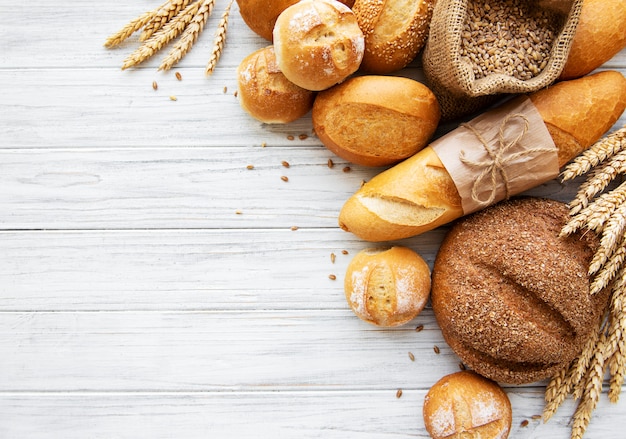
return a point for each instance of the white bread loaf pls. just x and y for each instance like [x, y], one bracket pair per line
[266, 94]
[318, 43]
[376, 120]
[467, 405]
[419, 194]
[387, 286]
[395, 31]
[600, 35]
[261, 15]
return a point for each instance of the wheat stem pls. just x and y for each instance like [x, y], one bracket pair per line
[189, 36]
[218, 42]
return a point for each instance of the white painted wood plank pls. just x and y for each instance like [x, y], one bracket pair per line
[183, 188]
[303, 414]
[180, 269]
[215, 350]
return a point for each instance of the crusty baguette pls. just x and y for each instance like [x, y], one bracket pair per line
[418, 194]
[600, 35]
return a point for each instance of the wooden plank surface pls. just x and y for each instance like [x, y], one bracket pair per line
[152, 286]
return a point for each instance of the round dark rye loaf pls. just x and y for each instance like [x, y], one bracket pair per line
[511, 297]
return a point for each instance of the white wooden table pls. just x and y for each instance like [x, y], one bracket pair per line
[151, 286]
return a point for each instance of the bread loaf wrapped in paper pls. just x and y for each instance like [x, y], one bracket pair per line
[420, 194]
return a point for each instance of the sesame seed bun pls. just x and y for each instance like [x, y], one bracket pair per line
[395, 32]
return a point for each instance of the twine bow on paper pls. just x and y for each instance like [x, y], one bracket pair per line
[498, 159]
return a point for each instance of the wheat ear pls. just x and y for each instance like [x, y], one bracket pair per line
[167, 33]
[132, 27]
[218, 42]
[165, 13]
[189, 36]
[605, 274]
[594, 155]
[612, 235]
[590, 391]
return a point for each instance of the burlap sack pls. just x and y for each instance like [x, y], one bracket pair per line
[452, 79]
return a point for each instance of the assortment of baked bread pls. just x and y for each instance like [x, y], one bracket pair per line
[510, 295]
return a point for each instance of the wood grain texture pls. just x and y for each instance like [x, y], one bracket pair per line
[151, 285]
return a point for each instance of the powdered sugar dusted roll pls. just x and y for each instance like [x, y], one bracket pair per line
[318, 43]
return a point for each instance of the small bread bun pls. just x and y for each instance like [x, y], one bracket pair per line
[266, 94]
[318, 43]
[465, 404]
[387, 287]
[376, 120]
[395, 32]
[511, 296]
[261, 15]
[599, 36]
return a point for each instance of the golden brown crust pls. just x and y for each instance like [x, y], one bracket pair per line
[395, 31]
[261, 15]
[318, 43]
[578, 112]
[599, 36]
[464, 404]
[376, 120]
[511, 297]
[387, 287]
[266, 94]
[418, 194]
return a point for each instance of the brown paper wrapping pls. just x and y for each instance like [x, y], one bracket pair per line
[501, 153]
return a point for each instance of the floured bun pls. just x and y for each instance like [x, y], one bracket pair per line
[467, 405]
[266, 94]
[318, 43]
[511, 296]
[387, 287]
[375, 120]
[395, 32]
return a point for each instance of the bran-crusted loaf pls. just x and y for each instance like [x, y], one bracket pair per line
[511, 296]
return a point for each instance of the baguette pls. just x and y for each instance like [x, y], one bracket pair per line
[600, 35]
[418, 194]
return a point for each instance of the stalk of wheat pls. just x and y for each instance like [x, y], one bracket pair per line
[600, 209]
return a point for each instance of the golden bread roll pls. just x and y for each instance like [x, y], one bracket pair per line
[387, 287]
[261, 15]
[376, 120]
[419, 194]
[464, 404]
[511, 296]
[395, 31]
[600, 35]
[318, 43]
[266, 94]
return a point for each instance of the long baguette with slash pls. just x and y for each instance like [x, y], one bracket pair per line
[419, 194]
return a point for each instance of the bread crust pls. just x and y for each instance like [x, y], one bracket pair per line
[318, 43]
[376, 120]
[577, 113]
[388, 286]
[599, 36]
[261, 15]
[511, 296]
[395, 32]
[465, 404]
[266, 94]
